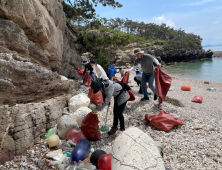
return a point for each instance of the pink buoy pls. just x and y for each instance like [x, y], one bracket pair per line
[105, 162]
[75, 135]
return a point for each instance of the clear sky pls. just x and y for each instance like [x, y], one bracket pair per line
[202, 17]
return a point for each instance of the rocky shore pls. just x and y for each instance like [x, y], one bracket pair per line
[217, 54]
[164, 55]
[196, 144]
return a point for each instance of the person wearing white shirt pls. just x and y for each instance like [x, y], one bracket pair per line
[98, 70]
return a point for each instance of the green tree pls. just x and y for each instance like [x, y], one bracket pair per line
[83, 11]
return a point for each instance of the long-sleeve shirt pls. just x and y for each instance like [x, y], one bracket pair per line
[146, 62]
[88, 67]
[113, 90]
[100, 72]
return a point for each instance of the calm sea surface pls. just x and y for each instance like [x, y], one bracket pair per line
[217, 48]
[209, 70]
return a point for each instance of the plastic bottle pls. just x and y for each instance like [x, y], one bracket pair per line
[53, 162]
[211, 89]
[49, 133]
[62, 159]
[63, 166]
[68, 149]
[73, 165]
[68, 154]
[76, 165]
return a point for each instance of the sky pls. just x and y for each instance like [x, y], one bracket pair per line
[201, 17]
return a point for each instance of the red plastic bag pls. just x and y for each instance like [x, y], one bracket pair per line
[125, 77]
[197, 99]
[132, 96]
[75, 135]
[87, 79]
[90, 127]
[162, 84]
[79, 71]
[163, 121]
[97, 98]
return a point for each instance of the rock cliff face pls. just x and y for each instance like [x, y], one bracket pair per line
[165, 56]
[42, 21]
[35, 47]
[71, 58]
[23, 125]
[169, 56]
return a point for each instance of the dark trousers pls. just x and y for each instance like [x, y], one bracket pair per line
[139, 84]
[118, 114]
[92, 76]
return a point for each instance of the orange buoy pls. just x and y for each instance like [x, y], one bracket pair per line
[185, 88]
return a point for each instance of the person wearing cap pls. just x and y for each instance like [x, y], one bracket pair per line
[138, 79]
[98, 70]
[110, 88]
[89, 68]
[146, 61]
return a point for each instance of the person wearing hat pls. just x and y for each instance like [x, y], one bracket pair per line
[89, 68]
[109, 89]
[98, 70]
[138, 79]
[146, 61]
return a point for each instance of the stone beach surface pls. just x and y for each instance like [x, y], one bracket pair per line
[196, 144]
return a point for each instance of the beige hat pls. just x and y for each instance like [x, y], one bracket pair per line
[137, 50]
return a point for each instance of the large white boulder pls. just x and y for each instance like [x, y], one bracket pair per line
[86, 109]
[63, 78]
[135, 150]
[65, 123]
[77, 101]
[80, 113]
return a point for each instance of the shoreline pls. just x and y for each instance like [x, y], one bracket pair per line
[178, 72]
[177, 76]
[196, 144]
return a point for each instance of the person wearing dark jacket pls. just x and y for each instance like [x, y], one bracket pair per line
[109, 89]
[89, 68]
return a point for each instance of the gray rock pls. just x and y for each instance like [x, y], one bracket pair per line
[40, 164]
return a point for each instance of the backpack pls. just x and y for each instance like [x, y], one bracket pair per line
[127, 88]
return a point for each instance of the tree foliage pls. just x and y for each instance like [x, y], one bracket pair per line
[117, 32]
[83, 11]
[174, 39]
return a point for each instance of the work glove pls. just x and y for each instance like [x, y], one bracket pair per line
[93, 107]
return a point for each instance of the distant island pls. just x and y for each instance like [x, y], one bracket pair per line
[212, 45]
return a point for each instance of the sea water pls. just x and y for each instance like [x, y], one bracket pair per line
[208, 70]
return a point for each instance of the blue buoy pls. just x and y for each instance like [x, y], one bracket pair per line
[81, 151]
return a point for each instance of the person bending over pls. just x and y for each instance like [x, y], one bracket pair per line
[109, 89]
[89, 68]
[98, 70]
